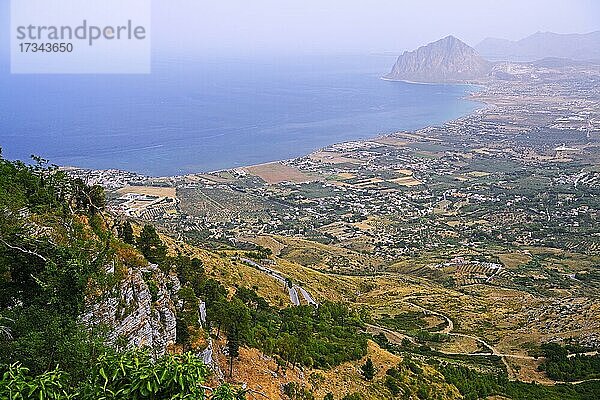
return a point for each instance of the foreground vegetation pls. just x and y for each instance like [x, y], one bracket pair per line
[56, 248]
[130, 375]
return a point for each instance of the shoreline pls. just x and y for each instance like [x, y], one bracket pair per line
[383, 78]
[467, 97]
[377, 136]
[457, 83]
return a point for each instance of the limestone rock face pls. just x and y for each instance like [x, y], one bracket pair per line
[446, 60]
[140, 311]
[207, 355]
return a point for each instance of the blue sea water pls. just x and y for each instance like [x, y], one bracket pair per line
[196, 115]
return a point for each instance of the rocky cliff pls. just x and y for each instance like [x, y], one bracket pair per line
[139, 311]
[446, 60]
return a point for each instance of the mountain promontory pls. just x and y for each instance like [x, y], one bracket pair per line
[446, 60]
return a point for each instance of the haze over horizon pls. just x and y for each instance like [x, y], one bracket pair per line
[263, 27]
[336, 26]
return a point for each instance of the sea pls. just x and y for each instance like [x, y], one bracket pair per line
[200, 114]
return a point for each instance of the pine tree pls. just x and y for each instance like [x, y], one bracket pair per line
[126, 233]
[151, 246]
[368, 370]
[233, 347]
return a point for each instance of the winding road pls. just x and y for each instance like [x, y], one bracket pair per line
[309, 299]
[293, 291]
[397, 337]
[449, 324]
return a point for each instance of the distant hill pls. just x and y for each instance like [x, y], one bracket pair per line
[543, 45]
[446, 60]
[556, 62]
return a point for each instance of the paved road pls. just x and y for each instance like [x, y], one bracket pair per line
[589, 353]
[397, 338]
[391, 335]
[293, 291]
[448, 331]
[492, 351]
[309, 299]
[449, 324]
[577, 382]
[294, 296]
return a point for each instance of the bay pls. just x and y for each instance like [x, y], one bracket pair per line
[203, 114]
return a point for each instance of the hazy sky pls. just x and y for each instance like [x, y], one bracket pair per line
[246, 27]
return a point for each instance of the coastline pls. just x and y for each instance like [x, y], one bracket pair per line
[485, 105]
[375, 136]
[449, 83]
[468, 97]
[383, 78]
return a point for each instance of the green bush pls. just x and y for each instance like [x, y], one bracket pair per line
[130, 375]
